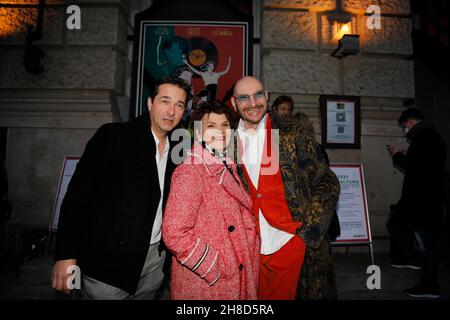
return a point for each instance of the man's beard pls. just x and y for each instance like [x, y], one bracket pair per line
[258, 106]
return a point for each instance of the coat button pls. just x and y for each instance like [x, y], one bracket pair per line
[241, 267]
[231, 228]
[259, 195]
[121, 243]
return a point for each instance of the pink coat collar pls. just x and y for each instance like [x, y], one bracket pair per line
[215, 167]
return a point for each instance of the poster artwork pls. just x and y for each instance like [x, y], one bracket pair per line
[209, 56]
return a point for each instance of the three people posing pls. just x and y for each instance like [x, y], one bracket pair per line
[225, 242]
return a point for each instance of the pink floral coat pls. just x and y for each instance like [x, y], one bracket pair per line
[209, 228]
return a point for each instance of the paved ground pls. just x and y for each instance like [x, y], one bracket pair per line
[351, 278]
[32, 281]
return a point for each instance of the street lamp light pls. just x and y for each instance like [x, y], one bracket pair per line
[14, 19]
[343, 32]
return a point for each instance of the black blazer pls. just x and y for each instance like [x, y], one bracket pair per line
[107, 215]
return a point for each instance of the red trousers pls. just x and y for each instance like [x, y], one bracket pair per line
[280, 271]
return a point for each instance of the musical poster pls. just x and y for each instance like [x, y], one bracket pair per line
[210, 56]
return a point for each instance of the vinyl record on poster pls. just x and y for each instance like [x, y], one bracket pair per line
[202, 51]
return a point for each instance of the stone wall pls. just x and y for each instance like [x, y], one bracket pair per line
[55, 113]
[296, 60]
[87, 82]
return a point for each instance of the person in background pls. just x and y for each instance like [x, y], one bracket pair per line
[423, 193]
[208, 223]
[110, 220]
[403, 243]
[283, 106]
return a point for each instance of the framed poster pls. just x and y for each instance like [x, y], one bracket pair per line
[209, 55]
[341, 121]
[352, 207]
[68, 168]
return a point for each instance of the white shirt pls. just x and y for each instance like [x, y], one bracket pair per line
[272, 239]
[161, 163]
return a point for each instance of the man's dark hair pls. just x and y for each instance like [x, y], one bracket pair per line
[411, 113]
[215, 107]
[282, 99]
[180, 83]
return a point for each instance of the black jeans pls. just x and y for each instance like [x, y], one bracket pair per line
[402, 242]
[429, 248]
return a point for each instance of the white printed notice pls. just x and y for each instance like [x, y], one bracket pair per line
[68, 168]
[340, 122]
[352, 205]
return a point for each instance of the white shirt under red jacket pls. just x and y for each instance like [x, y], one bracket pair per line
[254, 143]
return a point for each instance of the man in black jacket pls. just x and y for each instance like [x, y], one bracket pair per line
[423, 193]
[110, 221]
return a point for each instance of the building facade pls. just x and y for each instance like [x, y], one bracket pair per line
[87, 79]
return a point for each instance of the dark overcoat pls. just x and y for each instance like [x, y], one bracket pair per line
[107, 215]
[423, 191]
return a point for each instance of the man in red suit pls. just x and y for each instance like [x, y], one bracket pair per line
[294, 194]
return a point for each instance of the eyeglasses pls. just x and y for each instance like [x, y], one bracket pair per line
[245, 98]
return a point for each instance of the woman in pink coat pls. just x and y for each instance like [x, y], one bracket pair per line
[208, 224]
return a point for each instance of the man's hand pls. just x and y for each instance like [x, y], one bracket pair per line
[60, 275]
[394, 149]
